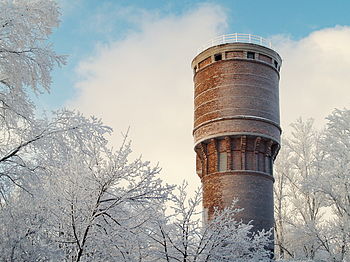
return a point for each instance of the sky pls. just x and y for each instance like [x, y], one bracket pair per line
[129, 64]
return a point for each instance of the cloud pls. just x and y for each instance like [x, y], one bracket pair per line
[145, 81]
[315, 74]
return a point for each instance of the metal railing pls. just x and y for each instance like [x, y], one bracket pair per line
[236, 38]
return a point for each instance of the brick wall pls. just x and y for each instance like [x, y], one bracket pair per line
[236, 129]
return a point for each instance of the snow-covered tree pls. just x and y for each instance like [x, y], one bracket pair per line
[282, 173]
[180, 235]
[86, 201]
[26, 57]
[312, 183]
[26, 60]
[304, 206]
[334, 185]
[57, 167]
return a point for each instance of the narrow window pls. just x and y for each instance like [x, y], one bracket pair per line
[250, 160]
[251, 55]
[256, 161]
[261, 162]
[271, 166]
[218, 57]
[195, 69]
[199, 166]
[236, 160]
[276, 64]
[268, 165]
[222, 161]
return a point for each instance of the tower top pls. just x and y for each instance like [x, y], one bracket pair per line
[236, 38]
[237, 46]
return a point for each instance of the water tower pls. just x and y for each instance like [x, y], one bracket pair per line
[237, 125]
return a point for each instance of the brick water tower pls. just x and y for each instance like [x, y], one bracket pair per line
[237, 125]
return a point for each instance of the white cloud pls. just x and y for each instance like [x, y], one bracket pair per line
[315, 76]
[145, 82]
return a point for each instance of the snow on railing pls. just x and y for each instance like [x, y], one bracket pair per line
[236, 38]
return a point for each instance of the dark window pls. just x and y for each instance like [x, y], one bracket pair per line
[276, 64]
[218, 57]
[251, 55]
[268, 165]
[261, 162]
[195, 69]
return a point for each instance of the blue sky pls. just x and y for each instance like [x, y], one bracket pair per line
[129, 64]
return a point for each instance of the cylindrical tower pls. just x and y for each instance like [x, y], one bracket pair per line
[236, 126]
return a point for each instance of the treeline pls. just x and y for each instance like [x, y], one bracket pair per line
[312, 191]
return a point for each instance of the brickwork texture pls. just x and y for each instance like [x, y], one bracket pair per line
[236, 128]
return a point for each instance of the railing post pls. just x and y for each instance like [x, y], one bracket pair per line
[236, 37]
